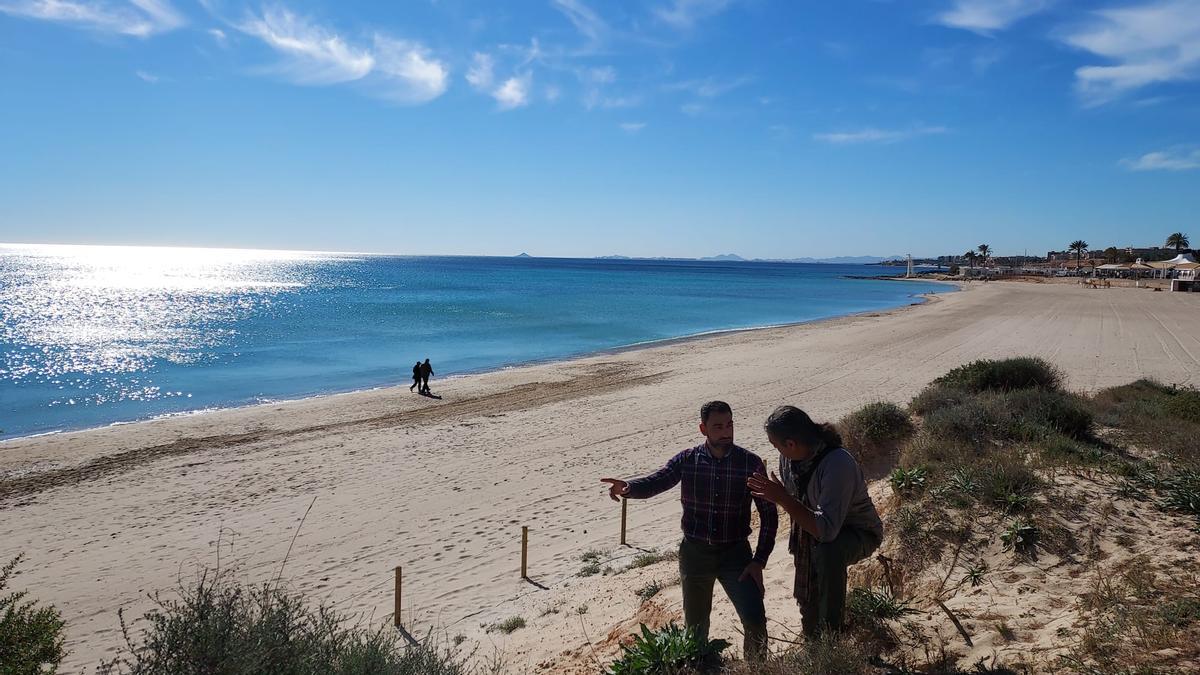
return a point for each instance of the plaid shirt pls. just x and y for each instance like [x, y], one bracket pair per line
[716, 500]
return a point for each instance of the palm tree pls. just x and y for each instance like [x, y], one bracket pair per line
[971, 256]
[1178, 241]
[985, 252]
[1078, 246]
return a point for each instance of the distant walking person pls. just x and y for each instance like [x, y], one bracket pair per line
[834, 521]
[426, 371]
[716, 524]
[416, 375]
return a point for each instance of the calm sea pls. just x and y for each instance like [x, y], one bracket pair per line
[93, 335]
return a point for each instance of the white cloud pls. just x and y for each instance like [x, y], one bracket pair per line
[481, 73]
[148, 77]
[514, 92]
[407, 72]
[604, 75]
[595, 99]
[139, 18]
[401, 71]
[872, 135]
[683, 14]
[986, 16]
[1148, 43]
[708, 87]
[632, 127]
[218, 35]
[312, 54]
[585, 19]
[1167, 160]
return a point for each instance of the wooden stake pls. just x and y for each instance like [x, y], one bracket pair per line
[624, 510]
[397, 617]
[524, 551]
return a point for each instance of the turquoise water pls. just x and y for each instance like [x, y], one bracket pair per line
[95, 335]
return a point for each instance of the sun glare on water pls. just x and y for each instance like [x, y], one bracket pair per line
[86, 319]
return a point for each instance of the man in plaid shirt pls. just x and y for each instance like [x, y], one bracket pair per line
[716, 525]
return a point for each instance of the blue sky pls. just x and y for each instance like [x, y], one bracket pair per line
[577, 127]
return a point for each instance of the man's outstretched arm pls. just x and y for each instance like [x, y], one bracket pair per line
[643, 488]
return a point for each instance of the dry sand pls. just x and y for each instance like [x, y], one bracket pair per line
[443, 487]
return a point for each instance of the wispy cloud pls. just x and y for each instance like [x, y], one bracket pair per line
[1148, 43]
[481, 74]
[1176, 159]
[397, 70]
[708, 87]
[683, 14]
[150, 78]
[218, 35]
[873, 135]
[632, 127]
[406, 72]
[590, 25]
[138, 18]
[312, 53]
[514, 92]
[987, 16]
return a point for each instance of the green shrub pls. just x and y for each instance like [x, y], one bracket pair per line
[1057, 449]
[1022, 415]
[907, 481]
[665, 651]
[1181, 611]
[1182, 492]
[1008, 482]
[649, 558]
[866, 605]
[1038, 414]
[31, 637]
[648, 591]
[216, 625]
[1022, 537]
[1184, 404]
[509, 625]
[1004, 375]
[937, 396]
[976, 421]
[876, 428]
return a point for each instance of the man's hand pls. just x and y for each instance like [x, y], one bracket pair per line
[616, 488]
[754, 571]
[770, 489]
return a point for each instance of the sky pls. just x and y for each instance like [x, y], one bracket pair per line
[772, 129]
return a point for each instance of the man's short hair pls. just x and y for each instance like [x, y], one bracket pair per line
[711, 407]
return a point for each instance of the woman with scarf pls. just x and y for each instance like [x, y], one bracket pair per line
[834, 521]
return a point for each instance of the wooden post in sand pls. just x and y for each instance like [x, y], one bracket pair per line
[624, 510]
[397, 617]
[524, 551]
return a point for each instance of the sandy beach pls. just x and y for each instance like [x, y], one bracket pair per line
[442, 487]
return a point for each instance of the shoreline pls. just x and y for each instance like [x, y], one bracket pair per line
[443, 488]
[609, 351]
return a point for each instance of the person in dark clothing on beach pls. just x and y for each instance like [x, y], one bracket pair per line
[716, 524]
[416, 375]
[834, 521]
[426, 371]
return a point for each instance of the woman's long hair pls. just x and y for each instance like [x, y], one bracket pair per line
[791, 423]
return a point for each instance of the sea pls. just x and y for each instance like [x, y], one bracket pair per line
[97, 335]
